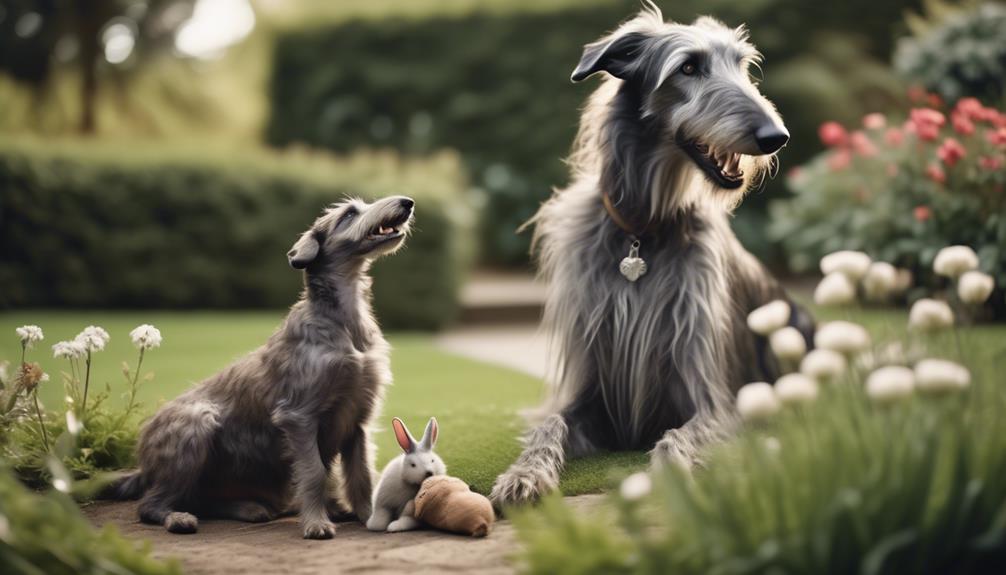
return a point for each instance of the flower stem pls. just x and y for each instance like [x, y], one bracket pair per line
[136, 377]
[87, 382]
[41, 421]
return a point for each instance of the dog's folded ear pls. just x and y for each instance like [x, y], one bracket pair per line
[304, 251]
[617, 56]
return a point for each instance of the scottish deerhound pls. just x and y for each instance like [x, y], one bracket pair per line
[262, 435]
[648, 288]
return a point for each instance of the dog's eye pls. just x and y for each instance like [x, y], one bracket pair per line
[689, 69]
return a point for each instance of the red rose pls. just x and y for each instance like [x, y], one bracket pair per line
[962, 124]
[832, 134]
[950, 151]
[894, 137]
[862, 144]
[922, 213]
[839, 160]
[927, 122]
[970, 108]
[990, 162]
[874, 121]
[936, 173]
[996, 137]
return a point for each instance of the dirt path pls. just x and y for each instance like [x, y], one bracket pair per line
[228, 547]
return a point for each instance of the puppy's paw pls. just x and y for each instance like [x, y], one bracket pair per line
[402, 524]
[319, 529]
[521, 485]
[179, 522]
[671, 451]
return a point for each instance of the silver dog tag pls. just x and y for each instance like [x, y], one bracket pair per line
[633, 267]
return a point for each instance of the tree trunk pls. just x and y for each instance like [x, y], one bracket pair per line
[88, 28]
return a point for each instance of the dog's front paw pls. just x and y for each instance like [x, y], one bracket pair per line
[319, 529]
[179, 522]
[672, 451]
[520, 485]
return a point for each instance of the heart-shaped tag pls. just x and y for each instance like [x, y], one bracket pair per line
[632, 268]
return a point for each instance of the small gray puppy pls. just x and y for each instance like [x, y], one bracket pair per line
[394, 498]
[259, 438]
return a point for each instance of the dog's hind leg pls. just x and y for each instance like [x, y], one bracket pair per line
[240, 510]
[536, 471]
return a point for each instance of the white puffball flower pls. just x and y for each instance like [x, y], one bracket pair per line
[769, 317]
[772, 445]
[795, 388]
[72, 349]
[835, 289]
[880, 281]
[849, 263]
[73, 425]
[146, 336]
[61, 485]
[975, 287]
[29, 335]
[93, 338]
[788, 343]
[842, 336]
[636, 486]
[757, 401]
[890, 383]
[952, 261]
[930, 315]
[823, 365]
[903, 282]
[940, 375]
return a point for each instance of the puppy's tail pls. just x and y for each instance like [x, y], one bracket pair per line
[128, 486]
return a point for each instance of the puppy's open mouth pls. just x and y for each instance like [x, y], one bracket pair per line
[720, 166]
[390, 228]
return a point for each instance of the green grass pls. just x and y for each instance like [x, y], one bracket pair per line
[476, 404]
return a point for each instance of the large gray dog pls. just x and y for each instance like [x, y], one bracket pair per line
[648, 286]
[261, 436]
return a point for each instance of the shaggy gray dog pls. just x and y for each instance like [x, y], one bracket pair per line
[648, 286]
[261, 436]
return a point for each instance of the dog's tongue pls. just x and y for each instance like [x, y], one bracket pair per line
[384, 230]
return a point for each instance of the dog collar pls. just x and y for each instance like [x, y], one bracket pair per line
[632, 267]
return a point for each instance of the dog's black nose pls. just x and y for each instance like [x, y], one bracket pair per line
[407, 203]
[429, 474]
[771, 137]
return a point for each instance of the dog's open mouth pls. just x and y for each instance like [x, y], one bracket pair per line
[390, 228]
[720, 166]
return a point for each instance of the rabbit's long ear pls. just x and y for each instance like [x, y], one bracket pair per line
[430, 435]
[403, 436]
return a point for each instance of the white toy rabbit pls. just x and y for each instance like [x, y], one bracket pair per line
[394, 508]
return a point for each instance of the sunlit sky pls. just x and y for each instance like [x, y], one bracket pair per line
[215, 25]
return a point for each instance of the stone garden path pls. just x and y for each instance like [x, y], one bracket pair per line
[229, 547]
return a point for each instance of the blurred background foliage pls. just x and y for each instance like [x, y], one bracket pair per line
[488, 79]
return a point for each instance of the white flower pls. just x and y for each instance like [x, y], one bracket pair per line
[73, 425]
[795, 388]
[892, 353]
[29, 334]
[842, 336]
[43, 378]
[835, 289]
[788, 343]
[72, 349]
[880, 281]
[930, 315]
[975, 287]
[939, 375]
[757, 401]
[93, 338]
[903, 282]
[952, 261]
[823, 365]
[890, 383]
[636, 486]
[772, 445]
[146, 336]
[61, 485]
[769, 317]
[851, 264]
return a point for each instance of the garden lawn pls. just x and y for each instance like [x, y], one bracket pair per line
[476, 404]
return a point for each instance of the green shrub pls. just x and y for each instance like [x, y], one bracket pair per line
[494, 84]
[839, 484]
[957, 52]
[84, 225]
[45, 533]
[901, 197]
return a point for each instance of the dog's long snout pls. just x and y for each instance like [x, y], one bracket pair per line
[407, 203]
[771, 137]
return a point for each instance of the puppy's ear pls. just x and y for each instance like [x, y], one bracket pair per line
[616, 56]
[304, 251]
[430, 435]
[403, 436]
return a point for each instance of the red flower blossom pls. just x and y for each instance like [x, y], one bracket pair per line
[996, 137]
[990, 162]
[950, 151]
[894, 137]
[874, 121]
[862, 144]
[935, 173]
[927, 122]
[971, 108]
[922, 213]
[840, 160]
[962, 123]
[832, 134]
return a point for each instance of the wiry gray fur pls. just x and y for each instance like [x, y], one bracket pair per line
[652, 364]
[261, 437]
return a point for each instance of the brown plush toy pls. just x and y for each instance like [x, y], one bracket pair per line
[448, 504]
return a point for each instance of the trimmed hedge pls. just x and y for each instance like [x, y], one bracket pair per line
[496, 87]
[113, 227]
